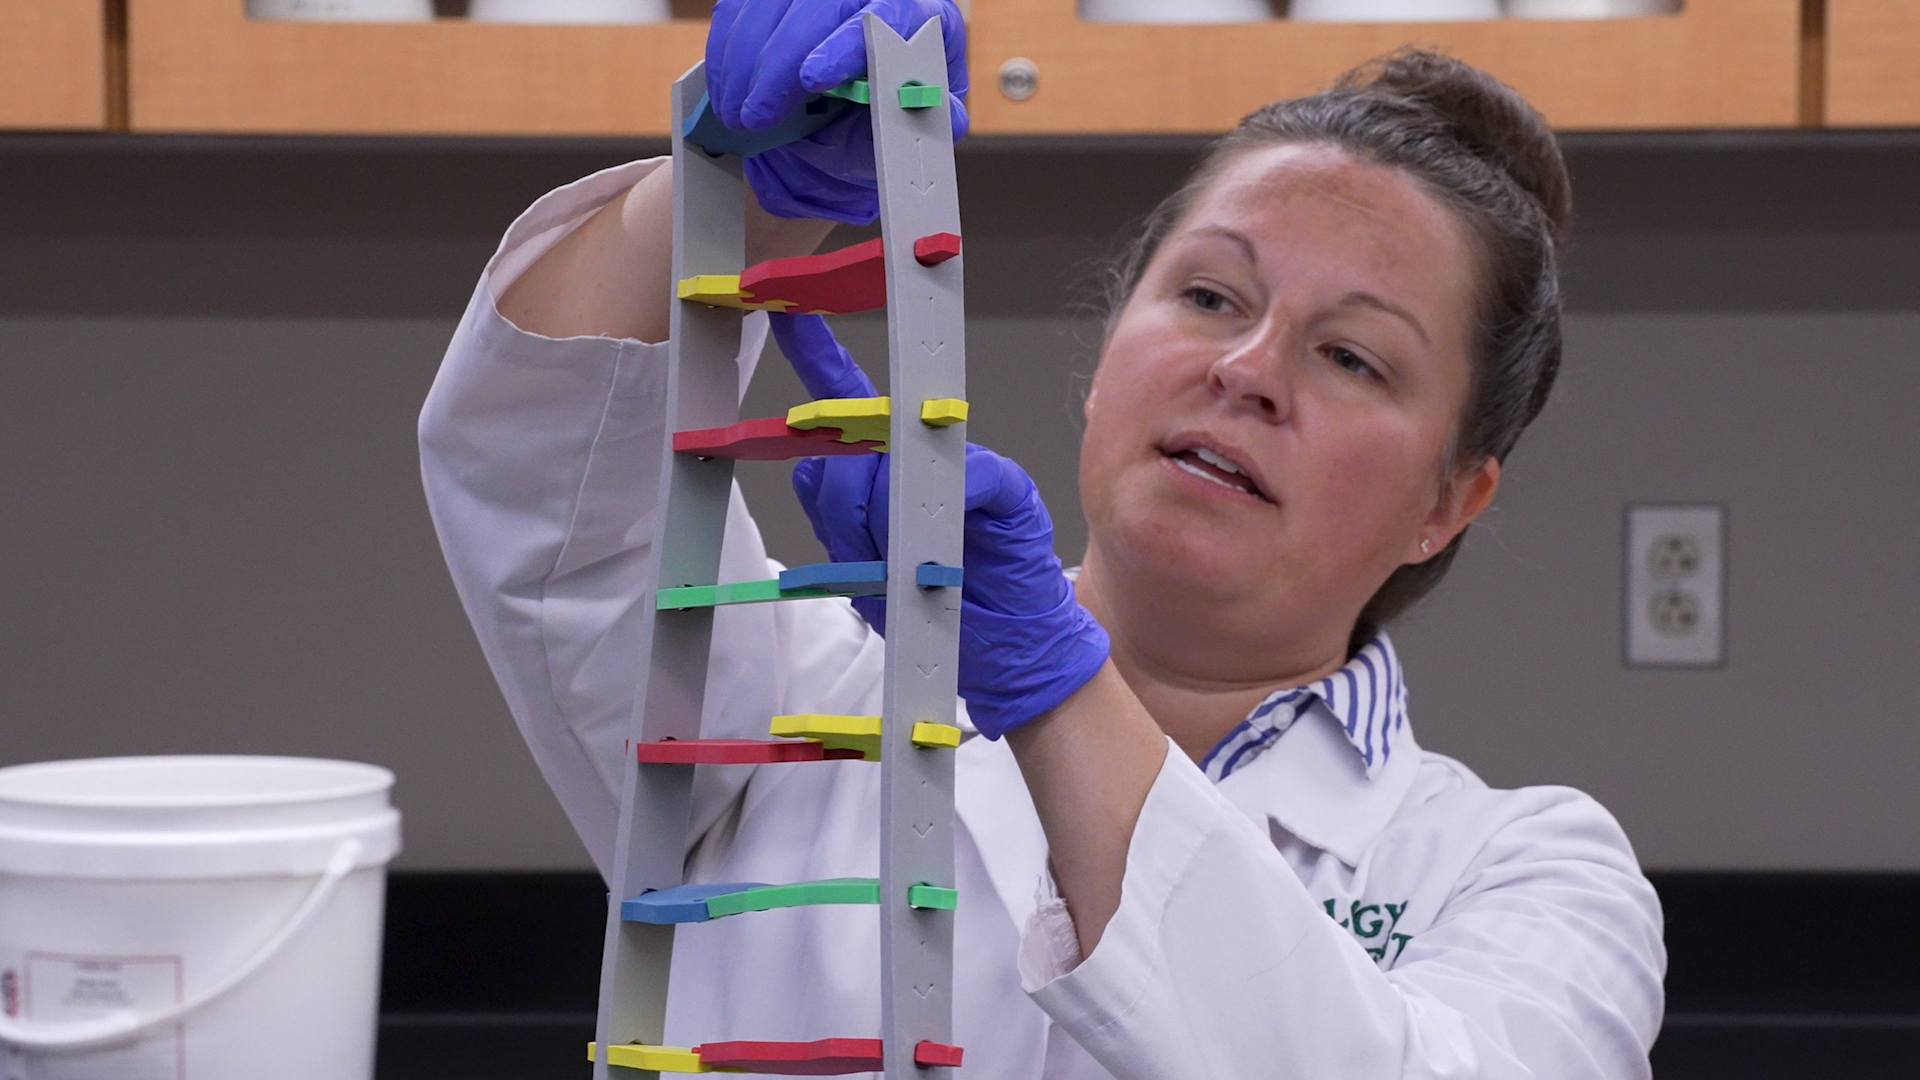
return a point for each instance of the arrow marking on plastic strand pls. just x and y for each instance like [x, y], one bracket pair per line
[937, 346]
[923, 991]
[920, 183]
[928, 669]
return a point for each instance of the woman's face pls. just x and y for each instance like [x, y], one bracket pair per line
[1268, 433]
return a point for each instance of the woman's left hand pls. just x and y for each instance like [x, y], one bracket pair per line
[764, 57]
[1026, 644]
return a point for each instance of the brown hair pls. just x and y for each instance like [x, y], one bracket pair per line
[1477, 145]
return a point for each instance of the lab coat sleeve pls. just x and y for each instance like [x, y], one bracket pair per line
[541, 461]
[1545, 961]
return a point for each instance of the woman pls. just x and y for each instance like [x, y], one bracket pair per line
[1208, 844]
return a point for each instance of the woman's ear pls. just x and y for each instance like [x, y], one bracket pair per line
[1086, 407]
[1467, 493]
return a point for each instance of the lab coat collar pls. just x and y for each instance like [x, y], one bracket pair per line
[1368, 696]
[1313, 785]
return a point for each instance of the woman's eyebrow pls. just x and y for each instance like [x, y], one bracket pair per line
[1246, 245]
[1367, 299]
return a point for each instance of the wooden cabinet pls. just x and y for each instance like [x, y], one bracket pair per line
[1872, 63]
[53, 69]
[201, 65]
[1719, 63]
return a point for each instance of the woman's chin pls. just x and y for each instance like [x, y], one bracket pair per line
[1187, 555]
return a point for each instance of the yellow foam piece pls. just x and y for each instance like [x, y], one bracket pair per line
[926, 734]
[723, 290]
[860, 733]
[942, 411]
[859, 419]
[652, 1058]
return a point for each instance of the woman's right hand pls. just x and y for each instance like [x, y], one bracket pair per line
[764, 57]
[1026, 644]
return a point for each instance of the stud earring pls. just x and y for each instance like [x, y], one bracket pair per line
[1426, 547]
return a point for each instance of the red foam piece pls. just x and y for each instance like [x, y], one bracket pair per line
[766, 439]
[736, 752]
[936, 248]
[823, 1057]
[851, 279]
[930, 1053]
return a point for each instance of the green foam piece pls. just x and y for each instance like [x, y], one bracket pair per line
[932, 896]
[737, 592]
[854, 90]
[852, 890]
[916, 95]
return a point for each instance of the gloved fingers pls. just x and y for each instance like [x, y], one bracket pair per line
[825, 367]
[1008, 539]
[777, 87]
[808, 475]
[841, 152]
[764, 56]
[957, 110]
[843, 55]
[787, 185]
[746, 36]
[839, 496]
[997, 486]
[879, 502]
[719, 32]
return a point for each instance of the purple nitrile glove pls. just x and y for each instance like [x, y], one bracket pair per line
[1025, 643]
[764, 57]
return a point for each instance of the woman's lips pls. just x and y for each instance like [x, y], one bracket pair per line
[1217, 469]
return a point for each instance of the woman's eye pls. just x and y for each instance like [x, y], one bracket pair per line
[1349, 360]
[1206, 299]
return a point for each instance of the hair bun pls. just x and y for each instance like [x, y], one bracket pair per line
[1486, 116]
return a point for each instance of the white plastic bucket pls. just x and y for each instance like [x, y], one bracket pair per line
[192, 918]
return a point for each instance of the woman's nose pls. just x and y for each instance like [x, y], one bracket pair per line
[1253, 374]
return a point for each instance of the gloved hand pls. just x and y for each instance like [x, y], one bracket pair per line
[765, 56]
[1025, 643]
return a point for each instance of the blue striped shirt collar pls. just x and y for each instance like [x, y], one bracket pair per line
[1367, 698]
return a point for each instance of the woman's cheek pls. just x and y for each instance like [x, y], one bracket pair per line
[1385, 482]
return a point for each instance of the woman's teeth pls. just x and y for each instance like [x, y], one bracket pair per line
[1203, 474]
[1209, 474]
[1218, 462]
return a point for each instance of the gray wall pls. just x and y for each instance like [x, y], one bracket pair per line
[216, 350]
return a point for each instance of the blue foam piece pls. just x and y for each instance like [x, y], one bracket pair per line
[705, 130]
[933, 575]
[685, 903]
[846, 578]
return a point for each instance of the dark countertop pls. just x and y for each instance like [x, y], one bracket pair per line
[492, 976]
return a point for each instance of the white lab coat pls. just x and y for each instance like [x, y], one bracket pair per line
[1473, 933]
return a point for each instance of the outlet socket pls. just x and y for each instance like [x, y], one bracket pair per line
[1675, 585]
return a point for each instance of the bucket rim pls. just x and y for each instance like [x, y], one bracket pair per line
[355, 779]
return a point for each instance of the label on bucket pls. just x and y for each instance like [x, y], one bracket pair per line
[62, 986]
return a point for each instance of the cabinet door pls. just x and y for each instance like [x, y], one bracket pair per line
[53, 64]
[203, 65]
[1873, 63]
[1714, 64]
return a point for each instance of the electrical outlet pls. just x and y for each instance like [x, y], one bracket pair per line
[1675, 585]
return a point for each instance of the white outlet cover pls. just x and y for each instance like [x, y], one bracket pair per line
[1675, 585]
